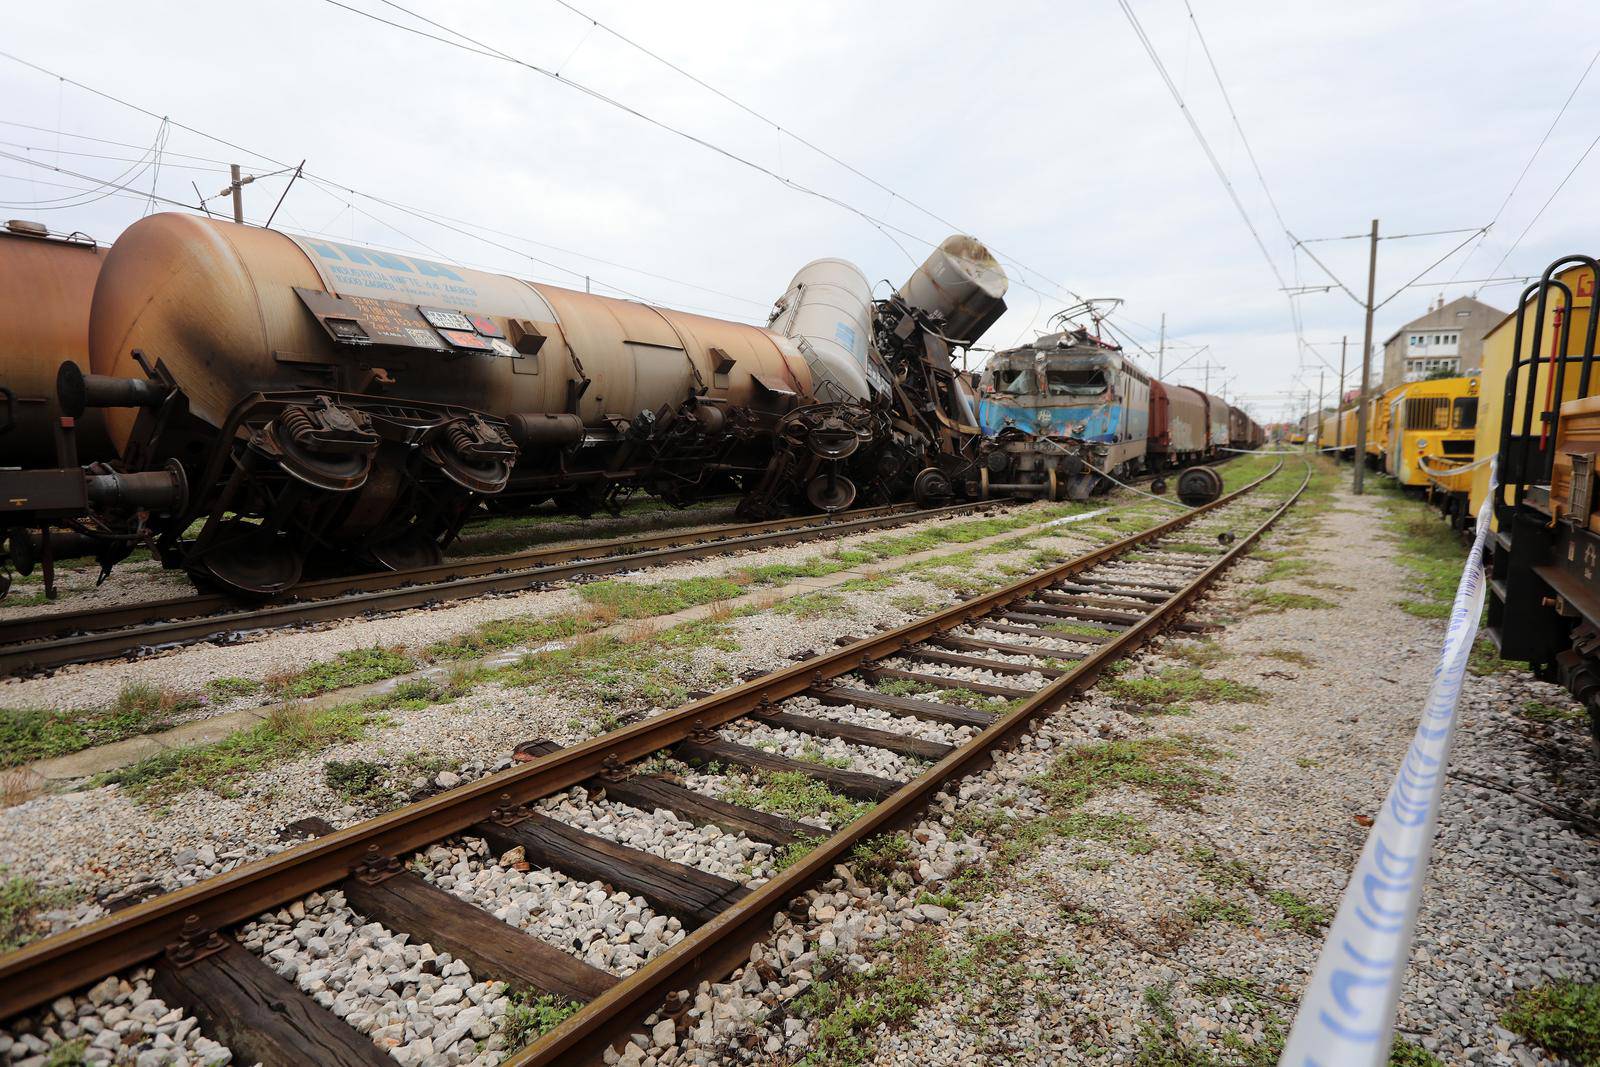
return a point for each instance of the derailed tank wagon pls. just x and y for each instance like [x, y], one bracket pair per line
[307, 403]
[46, 284]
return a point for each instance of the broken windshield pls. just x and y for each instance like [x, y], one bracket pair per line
[1089, 381]
[1018, 381]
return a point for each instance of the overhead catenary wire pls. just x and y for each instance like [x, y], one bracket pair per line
[320, 182]
[479, 47]
[781, 129]
[1550, 200]
[1199, 134]
[1425, 270]
[1526, 167]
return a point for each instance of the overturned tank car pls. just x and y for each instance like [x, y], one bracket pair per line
[280, 403]
[917, 437]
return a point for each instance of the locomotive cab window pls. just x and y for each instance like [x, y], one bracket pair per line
[1466, 413]
[1018, 381]
[1075, 382]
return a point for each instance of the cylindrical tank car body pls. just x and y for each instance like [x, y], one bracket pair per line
[46, 285]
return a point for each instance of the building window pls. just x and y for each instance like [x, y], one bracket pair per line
[1424, 345]
[1434, 367]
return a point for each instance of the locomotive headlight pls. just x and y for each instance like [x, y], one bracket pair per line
[1422, 444]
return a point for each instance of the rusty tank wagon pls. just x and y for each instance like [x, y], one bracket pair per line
[282, 403]
[46, 284]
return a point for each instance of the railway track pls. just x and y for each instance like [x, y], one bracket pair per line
[42, 642]
[1026, 643]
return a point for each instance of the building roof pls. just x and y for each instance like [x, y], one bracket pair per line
[1444, 316]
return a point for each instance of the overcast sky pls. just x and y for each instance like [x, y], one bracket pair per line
[1042, 128]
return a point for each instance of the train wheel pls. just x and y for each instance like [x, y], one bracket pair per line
[831, 492]
[244, 558]
[407, 552]
[932, 489]
[1199, 485]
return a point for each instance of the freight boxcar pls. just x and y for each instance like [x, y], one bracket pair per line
[1217, 424]
[1238, 429]
[1186, 426]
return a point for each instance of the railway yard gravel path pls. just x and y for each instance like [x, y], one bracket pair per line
[1143, 880]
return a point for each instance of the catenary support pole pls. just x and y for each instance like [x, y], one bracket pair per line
[1366, 366]
[1161, 350]
[238, 193]
[1338, 403]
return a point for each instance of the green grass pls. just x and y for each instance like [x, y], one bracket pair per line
[1081, 629]
[1299, 913]
[1201, 652]
[966, 698]
[1404, 1053]
[1539, 711]
[232, 688]
[1270, 603]
[355, 666]
[500, 634]
[1165, 768]
[794, 794]
[812, 605]
[644, 600]
[849, 1006]
[1563, 1017]
[1284, 569]
[359, 779]
[1172, 689]
[654, 670]
[1485, 659]
[1428, 548]
[532, 1014]
[882, 862]
[21, 899]
[288, 733]
[1290, 655]
[1204, 909]
[28, 734]
[794, 852]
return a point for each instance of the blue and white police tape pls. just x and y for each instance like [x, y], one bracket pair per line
[1346, 1017]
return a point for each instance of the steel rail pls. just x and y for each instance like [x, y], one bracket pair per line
[480, 579]
[718, 947]
[48, 968]
[63, 623]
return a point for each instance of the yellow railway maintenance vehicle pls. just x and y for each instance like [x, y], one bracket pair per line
[1432, 425]
[1379, 411]
[1337, 432]
[1544, 571]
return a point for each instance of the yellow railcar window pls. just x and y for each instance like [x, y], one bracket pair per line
[1466, 413]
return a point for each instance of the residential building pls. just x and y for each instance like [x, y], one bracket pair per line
[1445, 342]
